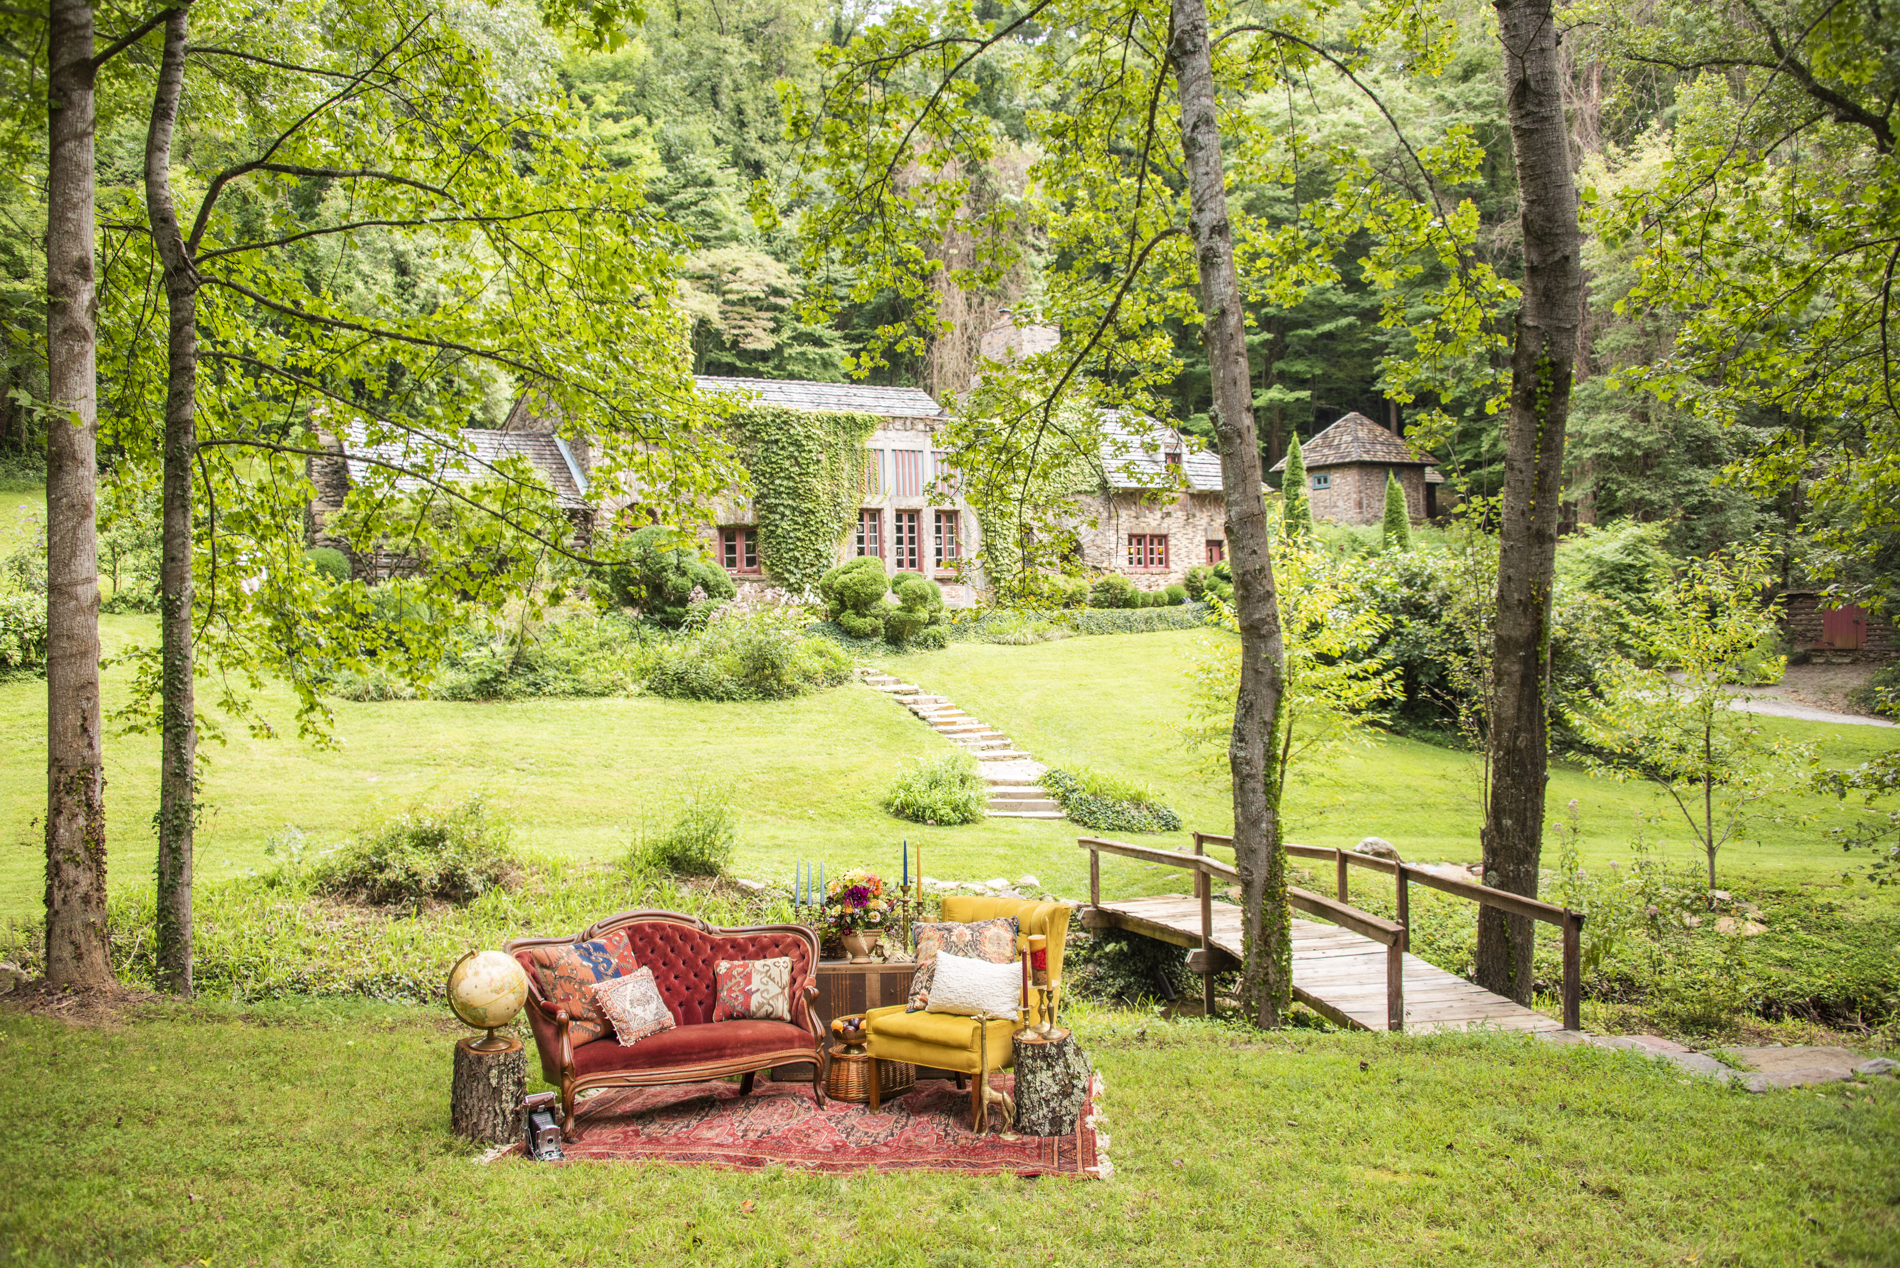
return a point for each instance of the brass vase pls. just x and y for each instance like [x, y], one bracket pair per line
[859, 945]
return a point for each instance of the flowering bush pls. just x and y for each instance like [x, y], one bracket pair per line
[856, 902]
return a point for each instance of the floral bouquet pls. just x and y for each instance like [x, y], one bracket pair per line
[856, 902]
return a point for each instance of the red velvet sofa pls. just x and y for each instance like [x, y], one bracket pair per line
[681, 950]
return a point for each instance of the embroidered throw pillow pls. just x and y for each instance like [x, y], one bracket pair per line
[565, 972]
[757, 990]
[633, 1004]
[991, 940]
[975, 988]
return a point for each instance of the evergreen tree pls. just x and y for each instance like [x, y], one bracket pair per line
[1398, 520]
[1297, 524]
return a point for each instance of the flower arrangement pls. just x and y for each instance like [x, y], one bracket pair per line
[856, 902]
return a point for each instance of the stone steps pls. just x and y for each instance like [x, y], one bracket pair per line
[1014, 790]
[1007, 805]
[1022, 814]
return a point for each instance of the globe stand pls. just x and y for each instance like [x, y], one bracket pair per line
[492, 1042]
[486, 1094]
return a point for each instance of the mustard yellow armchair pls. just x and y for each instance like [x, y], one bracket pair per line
[945, 1041]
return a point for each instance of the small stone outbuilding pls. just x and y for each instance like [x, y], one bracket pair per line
[1346, 467]
[1844, 635]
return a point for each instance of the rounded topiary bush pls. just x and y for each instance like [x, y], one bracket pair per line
[329, 563]
[1112, 590]
[1195, 584]
[920, 604]
[451, 854]
[1176, 595]
[854, 593]
[932, 638]
[662, 569]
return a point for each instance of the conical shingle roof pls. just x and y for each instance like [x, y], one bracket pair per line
[1356, 438]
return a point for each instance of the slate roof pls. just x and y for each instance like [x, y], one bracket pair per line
[891, 402]
[1356, 438]
[464, 457]
[1129, 464]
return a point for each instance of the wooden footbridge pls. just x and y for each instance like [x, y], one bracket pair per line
[1355, 968]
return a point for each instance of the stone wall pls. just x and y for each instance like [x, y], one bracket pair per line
[1357, 495]
[1188, 520]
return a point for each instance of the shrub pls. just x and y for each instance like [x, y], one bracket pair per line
[1109, 804]
[933, 638]
[1176, 595]
[1112, 590]
[23, 473]
[24, 567]
[662, 569]
[451, 854]
[1195, 584]
[1880, 693]
[698, 842]
[948, 790]
[329, 562]
[920, 604]
[22, 633]
[857, 585]
[571, 654]
[1117, 967]
[748, 655]
[1111, 621]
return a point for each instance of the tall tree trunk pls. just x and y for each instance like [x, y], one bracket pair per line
[76, 948]
[1267, 972]
[178, 736]
[1543, 358]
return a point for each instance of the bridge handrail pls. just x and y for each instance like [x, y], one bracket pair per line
[1390, 933]
[1404, 874]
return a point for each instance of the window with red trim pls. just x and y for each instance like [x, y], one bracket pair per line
[944, 546]
[1147, 550]
[739, 549]
[904, 541]
[1216, 550]
[870, 533]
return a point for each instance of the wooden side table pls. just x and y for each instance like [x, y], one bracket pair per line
[844, 989]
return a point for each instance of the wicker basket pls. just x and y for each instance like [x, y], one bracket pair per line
[848, 1077]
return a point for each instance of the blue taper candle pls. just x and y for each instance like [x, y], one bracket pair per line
[907, 862]
[798, 884]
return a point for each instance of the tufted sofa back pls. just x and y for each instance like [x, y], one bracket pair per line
[681, 950]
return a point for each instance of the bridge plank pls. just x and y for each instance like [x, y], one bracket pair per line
[1337, 973]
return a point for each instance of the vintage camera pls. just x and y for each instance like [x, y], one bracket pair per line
[544, 1127]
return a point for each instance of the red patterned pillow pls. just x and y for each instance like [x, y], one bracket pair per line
[633, 1004]
[566, 972]
[753, 989]
[991, 940]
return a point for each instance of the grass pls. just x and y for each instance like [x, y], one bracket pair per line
[578, 776]
[317, 1133]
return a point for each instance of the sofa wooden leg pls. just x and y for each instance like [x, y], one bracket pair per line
[962, 1081]
[818, 1084]
[567, 1110]
[976, 1103]
[877, 1092]
[745, 1082]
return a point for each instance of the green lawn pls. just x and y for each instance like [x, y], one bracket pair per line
[578, 775]
[319, 1135]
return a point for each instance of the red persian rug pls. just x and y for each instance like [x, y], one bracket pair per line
[927, 1129]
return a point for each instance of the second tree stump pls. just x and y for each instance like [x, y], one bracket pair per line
[1052, 1084]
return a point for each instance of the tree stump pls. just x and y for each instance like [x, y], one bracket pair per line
[1052, 1083]
[485, 1100]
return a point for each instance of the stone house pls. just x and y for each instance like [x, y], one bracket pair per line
[908, 514]
[1159, 510]
[905, 515]
[1346, 468]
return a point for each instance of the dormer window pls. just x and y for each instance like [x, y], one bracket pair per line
[1174, 457]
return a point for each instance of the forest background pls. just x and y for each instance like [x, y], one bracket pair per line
[691, 107]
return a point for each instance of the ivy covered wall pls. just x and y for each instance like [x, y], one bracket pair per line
[805, 467]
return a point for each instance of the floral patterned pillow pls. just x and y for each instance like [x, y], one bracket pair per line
[633, 1004]
[992, 940]
[758, 990]
[566, 972]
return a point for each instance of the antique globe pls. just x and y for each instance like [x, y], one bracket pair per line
[486, 990]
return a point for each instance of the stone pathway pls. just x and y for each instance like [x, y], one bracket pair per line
[1765, 1068]
[1011, 774]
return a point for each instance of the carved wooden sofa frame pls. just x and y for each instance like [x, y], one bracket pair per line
[681, 951]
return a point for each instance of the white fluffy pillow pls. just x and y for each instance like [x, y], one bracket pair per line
[972, 988]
